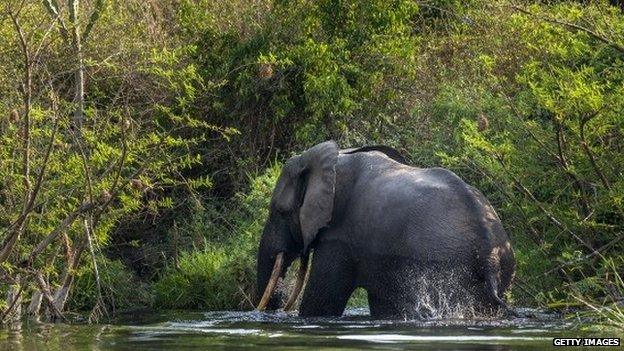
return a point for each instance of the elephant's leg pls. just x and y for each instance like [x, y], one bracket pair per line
[396, 291]
[330, 284]
[382, 307]
[383, 284]
[387, 299]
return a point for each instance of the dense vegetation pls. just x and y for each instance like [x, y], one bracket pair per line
[139, 141]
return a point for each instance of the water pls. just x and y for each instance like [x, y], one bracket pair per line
[275, 331]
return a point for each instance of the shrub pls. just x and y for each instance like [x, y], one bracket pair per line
[203, 280]
[121, 290]
[222, 274]
[548, 156]
[359, 298]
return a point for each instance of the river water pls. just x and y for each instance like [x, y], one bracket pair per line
[278, 330]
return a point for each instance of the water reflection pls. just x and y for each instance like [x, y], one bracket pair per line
[270, 331]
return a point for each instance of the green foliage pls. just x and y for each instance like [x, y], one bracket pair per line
[222, 274]
[296, 72]
[131, 151]
[203, 280]
[549, 153]
[604, 314]
[359, 298]
[187, 99]
[121, 289]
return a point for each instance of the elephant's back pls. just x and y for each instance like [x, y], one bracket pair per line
[405, 219]
[424, 214]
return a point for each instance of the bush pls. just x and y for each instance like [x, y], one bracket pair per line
[359, 298]
[194, 95]
[289, 74]
[121, 290]
[549, 152]
[222, 274]
[203, 280]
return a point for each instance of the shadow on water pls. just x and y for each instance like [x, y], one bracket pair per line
[270, 331]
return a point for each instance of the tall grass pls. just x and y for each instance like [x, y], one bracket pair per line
[120, 288]
[221, 275]
[607, 311]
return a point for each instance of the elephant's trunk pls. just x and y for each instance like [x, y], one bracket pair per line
[272, 283]
[301, 274]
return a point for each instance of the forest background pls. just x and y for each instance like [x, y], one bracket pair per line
[140, 140]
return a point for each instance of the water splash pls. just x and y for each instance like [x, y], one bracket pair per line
[434, 295]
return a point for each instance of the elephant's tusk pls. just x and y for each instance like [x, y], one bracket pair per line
[303, 268]
[270, 288]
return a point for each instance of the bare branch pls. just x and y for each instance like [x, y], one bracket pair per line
[67, 222]
[14, 233]
[95, 15]
[45, 290]
[61, 294]
[79, 94]
[13, 304]
[96, 272]
[52, 8]
[43, 39]
[589, 153]
[604, 247]
[547, 213]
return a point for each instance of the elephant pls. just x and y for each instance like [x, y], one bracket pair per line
[365, 218]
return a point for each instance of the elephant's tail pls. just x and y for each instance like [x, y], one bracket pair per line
[493, 291]
[498, 278]
[498, 301]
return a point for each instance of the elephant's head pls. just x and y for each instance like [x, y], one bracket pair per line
[302, 204]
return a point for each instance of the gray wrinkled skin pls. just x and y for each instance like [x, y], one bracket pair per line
[420, 240]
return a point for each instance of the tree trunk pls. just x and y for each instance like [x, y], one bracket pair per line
[61, 294]
[79, 91]
[14, 300]
[35, 304]
[78, 118]
[14, 235]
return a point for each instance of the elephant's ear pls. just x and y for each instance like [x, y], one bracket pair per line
[319, 164]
